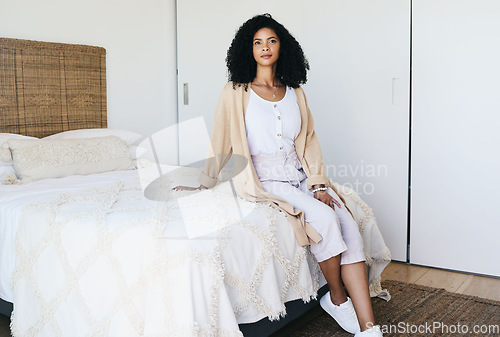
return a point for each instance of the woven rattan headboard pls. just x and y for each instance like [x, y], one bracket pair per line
[46, 88]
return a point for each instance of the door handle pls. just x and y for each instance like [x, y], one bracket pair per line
[186, 94]
[395, 91]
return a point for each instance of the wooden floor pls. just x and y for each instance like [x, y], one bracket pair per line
[486, 287]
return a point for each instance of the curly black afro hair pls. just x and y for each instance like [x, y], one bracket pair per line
[292, 66]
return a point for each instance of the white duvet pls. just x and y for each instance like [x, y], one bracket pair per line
[91, 256]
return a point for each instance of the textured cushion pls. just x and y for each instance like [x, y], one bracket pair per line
[128, 136]
[4, 137]
[41, 159]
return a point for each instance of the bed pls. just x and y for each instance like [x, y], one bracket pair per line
[116, 252]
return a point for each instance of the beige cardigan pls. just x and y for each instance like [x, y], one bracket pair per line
[229, 137]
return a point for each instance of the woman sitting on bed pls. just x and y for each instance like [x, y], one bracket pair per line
[262, 115]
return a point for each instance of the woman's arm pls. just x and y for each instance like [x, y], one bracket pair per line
[189, 188]
[314, 159]
[312, 154]
[220, 149]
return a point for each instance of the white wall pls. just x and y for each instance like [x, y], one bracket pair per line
[139, 37]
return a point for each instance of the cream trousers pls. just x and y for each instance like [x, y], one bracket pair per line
[282, 176]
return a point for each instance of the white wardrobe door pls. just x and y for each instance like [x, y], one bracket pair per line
[205, 30]
[358, 91]
[456, 118]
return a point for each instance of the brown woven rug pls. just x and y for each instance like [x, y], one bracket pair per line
[418, 311]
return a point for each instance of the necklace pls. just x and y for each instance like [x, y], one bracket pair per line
[274, 92]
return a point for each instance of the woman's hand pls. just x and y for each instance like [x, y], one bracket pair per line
[326, 198]
[188, 188]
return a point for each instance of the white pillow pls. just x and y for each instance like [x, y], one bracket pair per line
[5, 137]
[128, 136]
[46, 158]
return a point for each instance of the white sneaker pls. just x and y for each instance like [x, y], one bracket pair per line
[372, 332]
[344, 313]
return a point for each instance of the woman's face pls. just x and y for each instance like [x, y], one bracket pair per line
[266, 47]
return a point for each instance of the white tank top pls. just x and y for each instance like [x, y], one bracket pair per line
[271, 128]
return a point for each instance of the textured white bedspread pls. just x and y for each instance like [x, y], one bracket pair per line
[91, 256]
